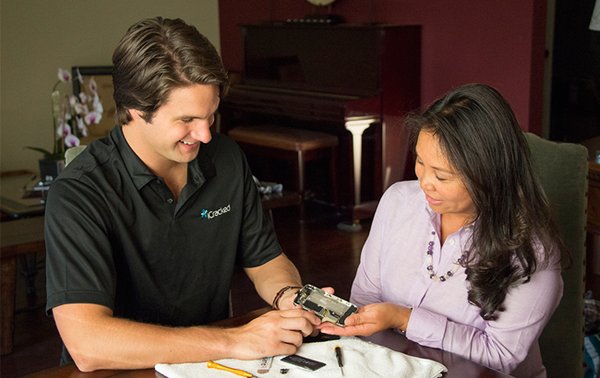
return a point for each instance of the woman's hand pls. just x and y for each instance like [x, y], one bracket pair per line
[371, 319]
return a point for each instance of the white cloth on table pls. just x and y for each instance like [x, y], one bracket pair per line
[360, 359]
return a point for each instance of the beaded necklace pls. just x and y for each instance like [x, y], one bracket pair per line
[432, 274]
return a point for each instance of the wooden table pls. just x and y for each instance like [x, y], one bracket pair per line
[18, 237]
[458, 367]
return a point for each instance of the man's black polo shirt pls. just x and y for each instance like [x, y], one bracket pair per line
[116, 237]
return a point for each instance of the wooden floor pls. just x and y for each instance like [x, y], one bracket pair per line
[324, 255]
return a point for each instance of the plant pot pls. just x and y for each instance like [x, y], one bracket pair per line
[50, 169]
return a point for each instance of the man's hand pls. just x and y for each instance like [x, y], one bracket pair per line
[370, 319]
[97, 340]
[274, 333]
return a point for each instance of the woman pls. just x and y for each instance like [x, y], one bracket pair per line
[466, 259]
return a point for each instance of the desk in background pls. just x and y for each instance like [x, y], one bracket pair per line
[458, 367]
[17, 198]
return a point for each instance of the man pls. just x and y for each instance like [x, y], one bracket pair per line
[144, 228]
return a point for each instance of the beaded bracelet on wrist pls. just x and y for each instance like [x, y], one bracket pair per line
[280, 293]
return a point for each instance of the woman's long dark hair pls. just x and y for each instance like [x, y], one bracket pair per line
[481, 138]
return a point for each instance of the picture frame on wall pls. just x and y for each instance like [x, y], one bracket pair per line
[103, 77]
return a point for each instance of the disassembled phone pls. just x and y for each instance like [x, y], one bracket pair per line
[327, 307]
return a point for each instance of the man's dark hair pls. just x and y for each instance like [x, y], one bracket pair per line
[157, 55]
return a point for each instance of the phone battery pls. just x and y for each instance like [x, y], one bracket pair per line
[303, 362]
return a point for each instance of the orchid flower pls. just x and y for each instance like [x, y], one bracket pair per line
[71, 140]
[97, 104]
[93, 86]
[66, 129]
[80, 108]
[79, 77]
[83, 97]
[60, 127]
[93, 118]
[72, 114]
[64, 75]
[81, 126]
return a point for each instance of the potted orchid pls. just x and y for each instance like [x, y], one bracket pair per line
[72, 115]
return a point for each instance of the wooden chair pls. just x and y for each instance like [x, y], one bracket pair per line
[562, 169]
[292, 144]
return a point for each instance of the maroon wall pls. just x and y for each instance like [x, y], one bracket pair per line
[498, 42]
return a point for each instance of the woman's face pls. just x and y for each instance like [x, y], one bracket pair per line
[443, 187]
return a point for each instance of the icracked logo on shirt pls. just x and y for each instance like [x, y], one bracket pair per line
[210, 214]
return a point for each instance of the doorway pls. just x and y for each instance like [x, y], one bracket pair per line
[575, 81]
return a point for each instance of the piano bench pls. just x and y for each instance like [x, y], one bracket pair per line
[297, 145]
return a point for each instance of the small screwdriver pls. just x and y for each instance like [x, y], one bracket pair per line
[338, 356]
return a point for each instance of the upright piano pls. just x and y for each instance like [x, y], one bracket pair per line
[354, 81]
